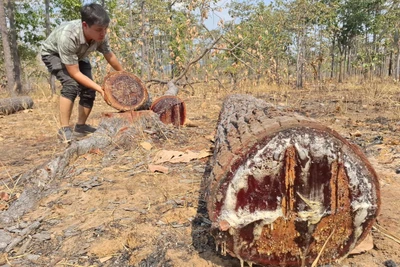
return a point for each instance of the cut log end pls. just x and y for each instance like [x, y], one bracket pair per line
[125, 91]
[171, 109]
[298, 193]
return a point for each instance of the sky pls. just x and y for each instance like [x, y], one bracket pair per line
[215, 16]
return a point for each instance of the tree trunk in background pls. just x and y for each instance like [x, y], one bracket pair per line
[332, 57]
[285, 190]
[14, 47]
[145, 45]
[6, 50]
[52, 80]
[398, 61]
[47, 17]
[300, 61]
[340, 66]
[390, 68]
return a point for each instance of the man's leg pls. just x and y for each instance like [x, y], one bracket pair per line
[69, 92]
[86, 102]
[83, 114]
[66, 106]
[86, 95]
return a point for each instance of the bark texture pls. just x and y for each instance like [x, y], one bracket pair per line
[14, 104]
[285, 190]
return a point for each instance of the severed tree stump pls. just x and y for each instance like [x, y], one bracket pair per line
[14, 104]
[285, 190]
[125, 91]
[171, 109]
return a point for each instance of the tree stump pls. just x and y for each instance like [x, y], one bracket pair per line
[285, 190]
[125, 91]
[14, 104]
[171, 110]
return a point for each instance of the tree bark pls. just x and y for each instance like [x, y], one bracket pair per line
[6, 49]
[14, 104]
[52, 78]
[14, 47]
[285, 190]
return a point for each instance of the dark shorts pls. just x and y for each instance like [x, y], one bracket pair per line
[71, 88]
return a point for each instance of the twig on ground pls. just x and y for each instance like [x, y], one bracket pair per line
[386, 233]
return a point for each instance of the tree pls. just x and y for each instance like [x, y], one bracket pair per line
[6, 49]
[14, 47]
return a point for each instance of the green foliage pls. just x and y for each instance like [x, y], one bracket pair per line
[261, 41]
[67, 9]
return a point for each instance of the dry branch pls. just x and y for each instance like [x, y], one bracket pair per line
[172, 88]
[280, 183]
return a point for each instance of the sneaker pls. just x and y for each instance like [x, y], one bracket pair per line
[83, 129]
[65, 134]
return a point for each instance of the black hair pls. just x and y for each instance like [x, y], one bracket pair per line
[94, 14]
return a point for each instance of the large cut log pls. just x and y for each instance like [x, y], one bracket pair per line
[125, 91]
[14, 104]
[285, 190]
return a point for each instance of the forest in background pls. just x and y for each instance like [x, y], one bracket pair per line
[285, 42]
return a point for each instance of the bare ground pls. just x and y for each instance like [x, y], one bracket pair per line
[111, 210]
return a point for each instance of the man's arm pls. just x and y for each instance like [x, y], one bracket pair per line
[82, 79]
[113, 61]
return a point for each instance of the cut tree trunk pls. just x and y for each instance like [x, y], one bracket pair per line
[124, 91]
[14, 104]
[171, 110]
[285, 190]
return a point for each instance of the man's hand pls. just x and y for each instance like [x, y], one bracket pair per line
[105, 98]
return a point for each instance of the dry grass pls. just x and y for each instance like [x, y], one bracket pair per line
[130, 191]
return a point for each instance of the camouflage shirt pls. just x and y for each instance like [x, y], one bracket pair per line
[68, 41]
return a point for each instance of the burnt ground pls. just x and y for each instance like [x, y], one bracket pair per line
[109, 209]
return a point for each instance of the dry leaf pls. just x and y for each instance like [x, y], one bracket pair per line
[204, 154]
[3, 259]
[105, 259]
[146, 145]
[189, 123]
[166, 155]
[356, 134]
[365, 245]
[96, 151]
[209, 137]
[179, 156]
[3, 206]
[158, 168]
[4, 196]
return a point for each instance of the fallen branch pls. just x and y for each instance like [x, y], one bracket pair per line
[40, 181]
[24, 233]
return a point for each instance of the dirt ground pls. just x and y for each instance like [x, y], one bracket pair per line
[113, 211]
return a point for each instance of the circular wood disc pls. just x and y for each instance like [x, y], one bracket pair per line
[171, 109]
[125, 91]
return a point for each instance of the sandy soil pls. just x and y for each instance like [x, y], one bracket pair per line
[113, 211]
